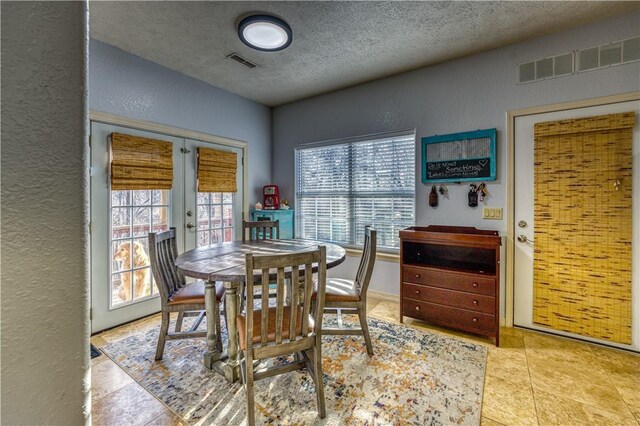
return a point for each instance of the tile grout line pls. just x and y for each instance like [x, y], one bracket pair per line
[633, 416]
[533, 394]
[493, 420]
[156, 418]
[530, 387]
[590, 347]
[142, 386]
[484, 381]
[615, 387]
[612, 383]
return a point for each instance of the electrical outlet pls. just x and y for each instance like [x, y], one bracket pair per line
[494, 213]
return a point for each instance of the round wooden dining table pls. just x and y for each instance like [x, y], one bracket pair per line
[226, 262]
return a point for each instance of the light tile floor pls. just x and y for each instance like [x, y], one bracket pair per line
[532, 378]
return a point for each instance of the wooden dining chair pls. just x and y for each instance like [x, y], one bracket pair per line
[261, 230]
[351, 295]
[175, 294]
[287, 328]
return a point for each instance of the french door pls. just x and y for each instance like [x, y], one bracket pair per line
[577, 227]
[122, 286]
[211, 217]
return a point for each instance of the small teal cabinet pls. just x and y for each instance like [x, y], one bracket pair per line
[287, 229]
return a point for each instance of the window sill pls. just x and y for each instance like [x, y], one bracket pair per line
[387, 257]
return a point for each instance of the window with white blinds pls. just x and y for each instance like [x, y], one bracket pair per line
[342, 187]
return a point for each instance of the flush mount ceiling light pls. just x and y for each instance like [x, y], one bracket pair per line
[265, 32]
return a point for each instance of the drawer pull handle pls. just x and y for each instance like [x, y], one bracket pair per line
[417, 275]
[475, 319]
[417, 291]
[417, 308]
[475, 284]
[475, 302]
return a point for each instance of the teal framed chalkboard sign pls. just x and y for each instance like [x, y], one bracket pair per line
[459, 157]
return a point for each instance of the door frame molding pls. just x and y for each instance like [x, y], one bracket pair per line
[118, 120]
[510, 190]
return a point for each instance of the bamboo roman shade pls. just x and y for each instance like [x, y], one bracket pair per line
[217, 170]
[140, 163]
[583, 175]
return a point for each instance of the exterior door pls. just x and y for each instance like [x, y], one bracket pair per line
[576, 272]
[212, 217]
[122, 286]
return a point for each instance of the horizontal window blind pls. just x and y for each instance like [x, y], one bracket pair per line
[342, 187]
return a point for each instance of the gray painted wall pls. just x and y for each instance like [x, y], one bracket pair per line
[466, 94]
[124, 84]
[45, 334]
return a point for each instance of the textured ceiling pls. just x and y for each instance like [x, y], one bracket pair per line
[336, 44]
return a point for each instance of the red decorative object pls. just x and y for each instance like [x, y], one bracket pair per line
[271, 195]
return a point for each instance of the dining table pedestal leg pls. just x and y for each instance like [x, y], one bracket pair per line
[226, 364]
[212, 354]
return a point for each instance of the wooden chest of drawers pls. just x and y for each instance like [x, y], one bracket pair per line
[450, 276]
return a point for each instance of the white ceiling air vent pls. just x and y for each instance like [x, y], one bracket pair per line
[607, 55]
[553, 66]
[247, 63]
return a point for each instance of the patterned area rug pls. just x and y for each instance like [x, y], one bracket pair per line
[415, 377]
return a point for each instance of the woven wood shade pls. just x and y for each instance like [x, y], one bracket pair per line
[216, 170]
[140, 163]
[582, 250]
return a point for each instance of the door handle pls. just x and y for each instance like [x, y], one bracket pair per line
[524, 239]
[190, 225]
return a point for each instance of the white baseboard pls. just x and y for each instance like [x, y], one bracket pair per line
[390, 297]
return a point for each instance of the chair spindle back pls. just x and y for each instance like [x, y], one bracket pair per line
[261, 230]
[163, 252]
[288, 266]
[365, 269]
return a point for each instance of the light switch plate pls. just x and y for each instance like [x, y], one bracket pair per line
[493, 213]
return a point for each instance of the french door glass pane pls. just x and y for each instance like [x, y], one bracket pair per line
[135, 213]
[203, 238]
[214, 218]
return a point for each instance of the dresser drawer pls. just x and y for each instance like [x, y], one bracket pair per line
[458, 299]
[449, 280]
[449, 316]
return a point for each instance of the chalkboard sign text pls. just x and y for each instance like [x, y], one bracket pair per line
[459, 169]
[458, 157]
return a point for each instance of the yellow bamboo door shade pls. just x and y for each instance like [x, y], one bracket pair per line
[140, 163]
[217, 170]
[583, 217]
